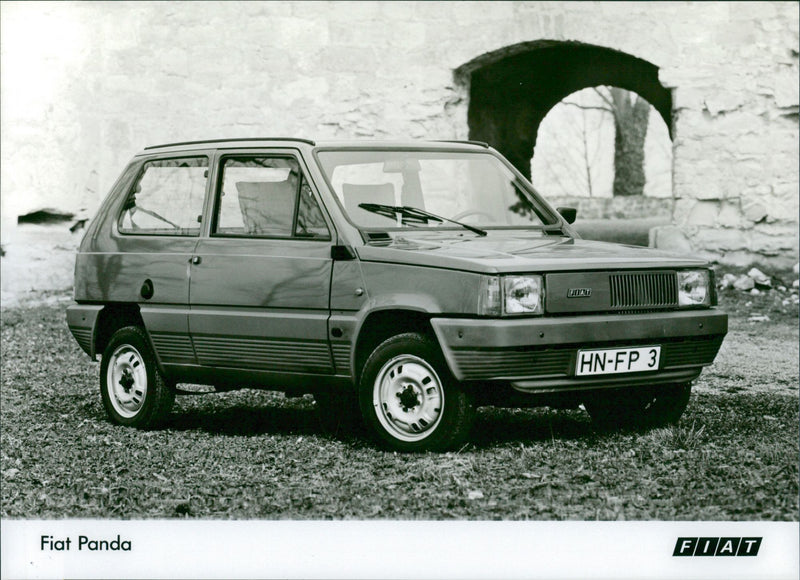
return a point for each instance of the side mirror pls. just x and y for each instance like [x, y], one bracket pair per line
[568, 213]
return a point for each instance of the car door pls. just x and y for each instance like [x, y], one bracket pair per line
[155, 234]
[260, 282]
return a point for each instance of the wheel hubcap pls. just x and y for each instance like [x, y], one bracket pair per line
[127, 381]
[408, 398]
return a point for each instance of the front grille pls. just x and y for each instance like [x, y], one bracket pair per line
[643, 290]
[618, 291]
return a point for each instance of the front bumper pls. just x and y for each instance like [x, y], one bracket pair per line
[539, 354]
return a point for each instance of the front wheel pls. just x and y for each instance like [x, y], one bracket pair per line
[133, 389]
[410, 400]
[639, 407]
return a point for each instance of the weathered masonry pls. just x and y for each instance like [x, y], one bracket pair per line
[724, 76]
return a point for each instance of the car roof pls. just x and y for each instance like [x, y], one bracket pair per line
[294, 142]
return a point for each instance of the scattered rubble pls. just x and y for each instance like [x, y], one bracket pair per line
[46, 215]
[759, 278]
[755, 282]
[78, 225]
[766, 290]
[758, 318]
[744, 282]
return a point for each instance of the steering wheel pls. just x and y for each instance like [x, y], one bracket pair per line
[470, 212]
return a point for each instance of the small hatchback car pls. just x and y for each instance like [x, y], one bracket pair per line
[401, 283]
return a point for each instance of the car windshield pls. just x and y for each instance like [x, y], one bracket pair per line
[471, 188]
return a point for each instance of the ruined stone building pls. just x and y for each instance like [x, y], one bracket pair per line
[86, 85]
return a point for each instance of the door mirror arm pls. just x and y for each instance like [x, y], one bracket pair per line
[342, 252]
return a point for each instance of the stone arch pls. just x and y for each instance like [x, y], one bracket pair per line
[512, 89]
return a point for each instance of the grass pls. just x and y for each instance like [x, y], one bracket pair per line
[253, 454]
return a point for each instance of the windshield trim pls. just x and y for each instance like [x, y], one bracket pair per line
[536, 200]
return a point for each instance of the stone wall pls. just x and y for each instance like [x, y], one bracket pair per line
[634, 207]
[86, 85]
[736, 138]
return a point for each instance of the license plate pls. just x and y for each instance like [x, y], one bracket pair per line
[611, 361]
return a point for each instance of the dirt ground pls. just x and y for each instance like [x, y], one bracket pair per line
[762, 349]
[755, 358]
[37, 259]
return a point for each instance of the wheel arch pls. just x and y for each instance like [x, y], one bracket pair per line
[381, 324]
[113, 317]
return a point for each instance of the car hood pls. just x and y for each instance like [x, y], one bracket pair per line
[506, 252]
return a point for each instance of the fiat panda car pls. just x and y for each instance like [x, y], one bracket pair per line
[402, 284]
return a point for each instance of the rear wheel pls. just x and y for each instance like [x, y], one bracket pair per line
[132, 387]
[409, 399]
[639, 407]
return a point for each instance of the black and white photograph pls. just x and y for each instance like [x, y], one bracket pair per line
[399, 289]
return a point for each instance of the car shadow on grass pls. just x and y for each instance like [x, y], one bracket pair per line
[246, 421]
[495, 426]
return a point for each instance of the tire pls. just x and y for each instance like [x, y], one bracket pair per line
[409, 399]
[638, 407]
[133, 389]
[337, 410]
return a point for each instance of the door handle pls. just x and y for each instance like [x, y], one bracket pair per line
[196, 260]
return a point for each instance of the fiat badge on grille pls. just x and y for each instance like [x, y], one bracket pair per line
[579, 292]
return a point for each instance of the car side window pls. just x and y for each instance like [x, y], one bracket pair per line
[267, 197]
[167, 198]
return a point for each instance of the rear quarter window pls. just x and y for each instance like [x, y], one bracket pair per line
[167, 198]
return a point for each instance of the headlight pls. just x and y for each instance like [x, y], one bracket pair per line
[523, 295]
[511, 295]
[694, 288]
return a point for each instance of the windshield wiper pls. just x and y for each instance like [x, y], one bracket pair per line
[407, 211]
